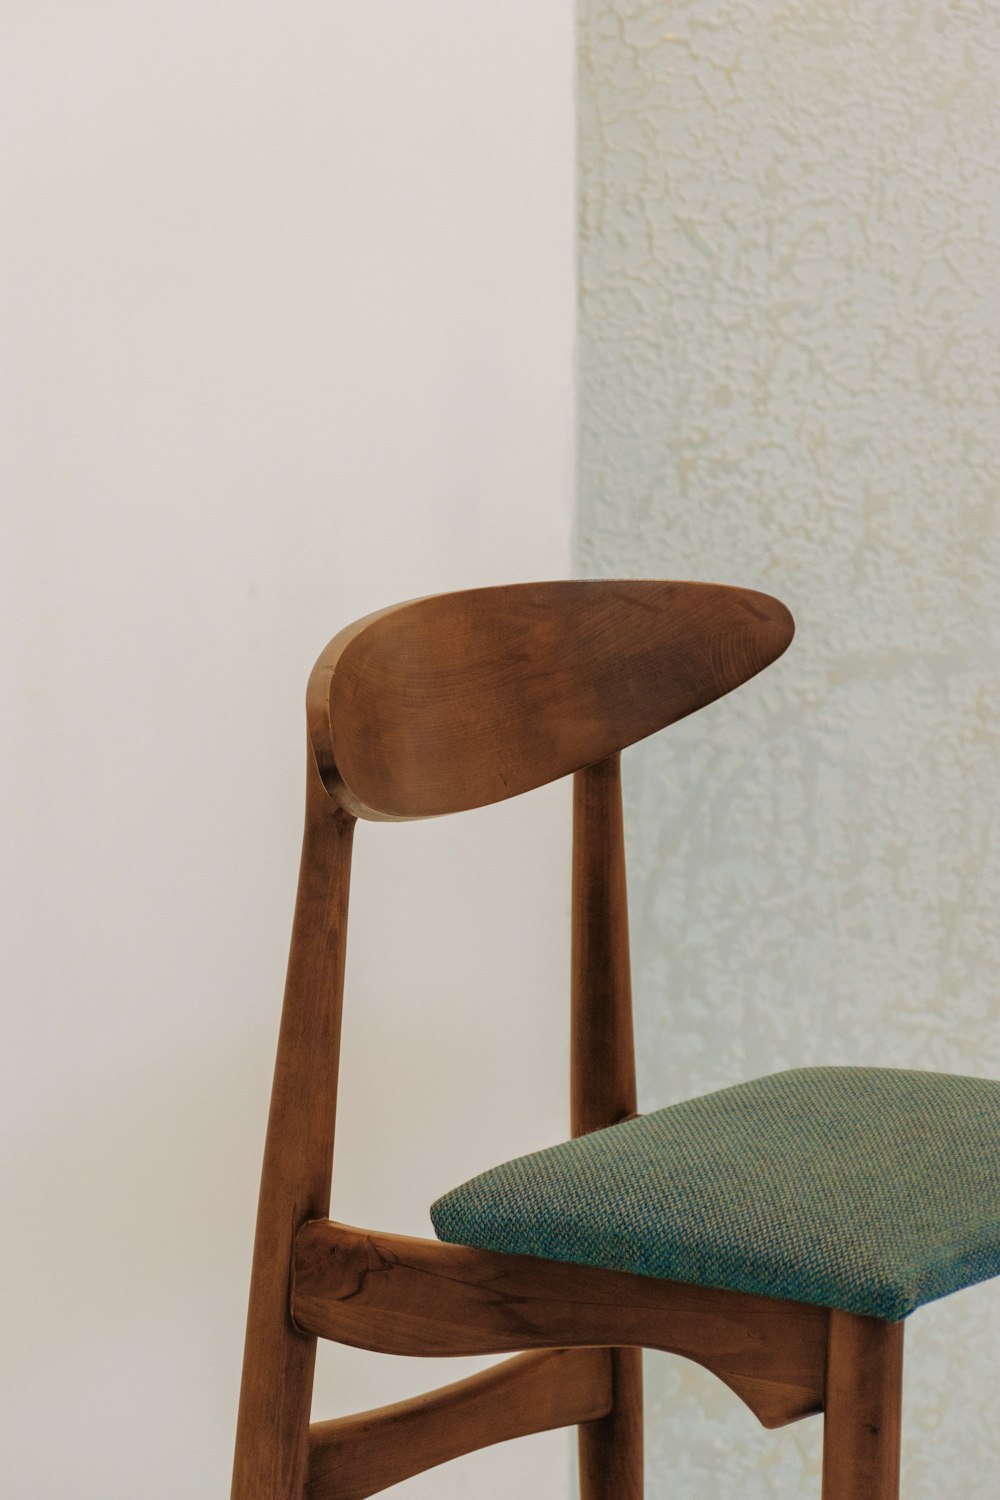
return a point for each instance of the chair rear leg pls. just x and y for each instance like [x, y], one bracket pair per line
[864, 1383]
[610, 1448]
[272, 1436]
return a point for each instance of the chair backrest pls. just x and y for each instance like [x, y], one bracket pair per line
[459, 700]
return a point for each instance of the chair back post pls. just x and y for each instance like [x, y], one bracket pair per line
[272, 1440]
[602, 1052]
[602, 1080]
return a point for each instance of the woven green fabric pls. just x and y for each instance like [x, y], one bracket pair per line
[869, 1189]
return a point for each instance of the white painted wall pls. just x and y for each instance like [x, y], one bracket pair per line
[790, 371]
[288, 304]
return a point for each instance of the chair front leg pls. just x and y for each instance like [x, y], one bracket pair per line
[864, 1385]
[610, 1448]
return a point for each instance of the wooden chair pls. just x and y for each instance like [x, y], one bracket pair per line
[461, 700]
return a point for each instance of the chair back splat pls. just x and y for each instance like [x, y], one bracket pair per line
[460, 700]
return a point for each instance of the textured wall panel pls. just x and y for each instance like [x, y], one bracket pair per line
[790, 369]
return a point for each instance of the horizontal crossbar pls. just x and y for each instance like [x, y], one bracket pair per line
[401, 1295]
[360, 1455]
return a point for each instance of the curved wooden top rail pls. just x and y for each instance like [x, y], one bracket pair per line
[459, 700]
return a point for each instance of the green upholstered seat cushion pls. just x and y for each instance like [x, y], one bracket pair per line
[869, 1189]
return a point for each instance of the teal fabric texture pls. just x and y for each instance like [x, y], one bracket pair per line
[873, 1190]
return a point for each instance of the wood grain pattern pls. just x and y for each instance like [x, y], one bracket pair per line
[401, 1295]
[602, 1079]
[273, 1425]
[360, 1455]
[602, 1056]
[610, 1451]
[864, 1396]
[463, 699]
[427, 708]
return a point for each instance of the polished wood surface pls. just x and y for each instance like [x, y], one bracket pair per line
[356, 1456]
[602, 1079]
[864, 1394]
[401, 1295]
[272, 1433]
[463, 699]
[602, 1054]
[610, 1451]
[432, 707]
